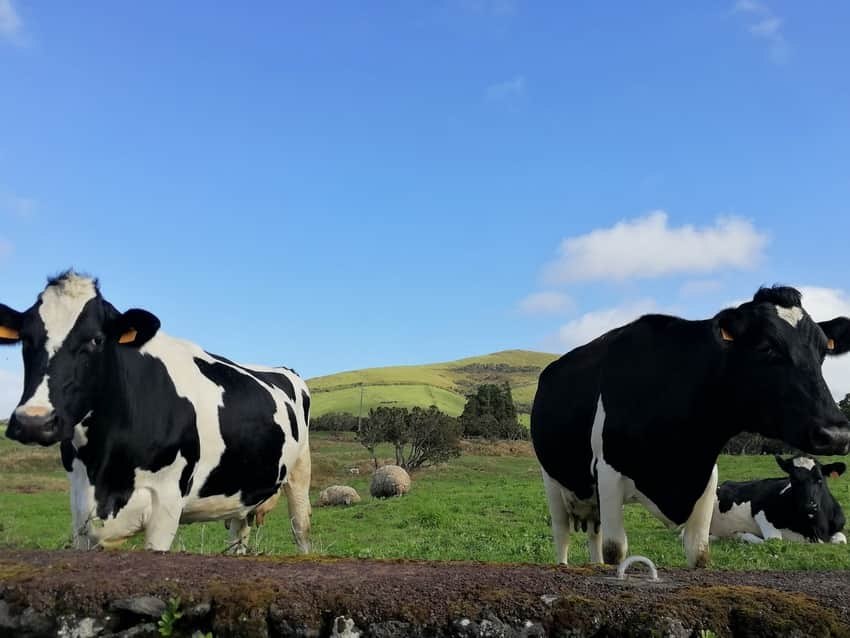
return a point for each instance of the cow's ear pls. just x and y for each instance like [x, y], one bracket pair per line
[838, 335]
[10, 325]
[833, 470]
[134, 328]
[731, 324]
[784, 465]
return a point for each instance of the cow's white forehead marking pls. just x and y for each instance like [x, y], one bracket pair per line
[802, 461]
[61, 305]
[791, 315]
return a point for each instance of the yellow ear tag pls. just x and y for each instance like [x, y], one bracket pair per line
[128, 337]
[830, 344]
[726, 336]
[8, 333]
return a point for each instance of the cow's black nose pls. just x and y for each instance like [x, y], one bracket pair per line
[13, 430]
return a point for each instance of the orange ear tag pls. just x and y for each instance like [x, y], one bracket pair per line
[128, 337]
[8, 333]
[726, 336]
[830, 344]
[833, 475]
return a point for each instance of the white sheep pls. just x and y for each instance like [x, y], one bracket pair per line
[338, 495]
[390, 480]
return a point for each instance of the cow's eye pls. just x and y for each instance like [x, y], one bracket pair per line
[768, 351]
[95, 342]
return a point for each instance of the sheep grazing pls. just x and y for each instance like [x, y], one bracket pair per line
[338, 495]
[390, 480]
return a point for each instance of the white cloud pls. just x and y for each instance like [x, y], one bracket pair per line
[765, 25]
[647, 247]
[546, 302]
[593, 324]
[18, 206]
[766, 28]
[514, 87]
[698, 287]
[11, 27]
[11, 386]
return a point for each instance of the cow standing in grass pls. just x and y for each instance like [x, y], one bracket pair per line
[798, 507]
[642, 412]
[154, 431]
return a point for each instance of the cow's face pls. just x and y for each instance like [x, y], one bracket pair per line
[808, 491]
[774, 352]
[66, 338]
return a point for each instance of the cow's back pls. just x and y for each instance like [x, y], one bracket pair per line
[251, 423]
[738, 502]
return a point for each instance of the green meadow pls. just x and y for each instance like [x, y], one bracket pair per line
[487, 505]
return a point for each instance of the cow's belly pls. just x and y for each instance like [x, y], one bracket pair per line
[737, 520]
[634, 495]
[214, 508]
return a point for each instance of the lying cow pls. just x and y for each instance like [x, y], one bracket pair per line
[798, 507]
[154, 431]
[642, 412]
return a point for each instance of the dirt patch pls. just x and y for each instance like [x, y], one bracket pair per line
[23, 486]
[474, 447]
[311, 596]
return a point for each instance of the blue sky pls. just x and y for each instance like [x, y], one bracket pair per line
[340, 185]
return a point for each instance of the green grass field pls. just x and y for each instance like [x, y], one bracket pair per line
[479, 507]
[442, 384]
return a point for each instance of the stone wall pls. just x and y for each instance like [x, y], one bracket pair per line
[104, 593]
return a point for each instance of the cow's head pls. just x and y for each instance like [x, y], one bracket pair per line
[808, 492]
[773, 354]
[67, 338]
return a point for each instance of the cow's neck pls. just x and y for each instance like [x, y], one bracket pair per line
[136, 390]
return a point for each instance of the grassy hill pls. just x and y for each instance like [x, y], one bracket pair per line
[442, 384]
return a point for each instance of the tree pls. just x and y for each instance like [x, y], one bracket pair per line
[334, 422]
[419, 436]
[390, 424]
[431, 437]
[490, 412]
[844, 406]
[381, 426]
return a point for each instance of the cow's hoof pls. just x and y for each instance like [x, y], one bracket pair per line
[613, 553]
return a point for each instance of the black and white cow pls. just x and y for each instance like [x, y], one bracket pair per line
[798, 507]
[642, 412]
[154, 431]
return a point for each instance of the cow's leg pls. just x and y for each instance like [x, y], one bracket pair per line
[164, 521]
[239, 530]
[746, 537]
[297, 488]
[594, 542]
[561, 521]
[135, 516]
[83, 506]
[699, 523]
[610, 484]
[768, 531]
